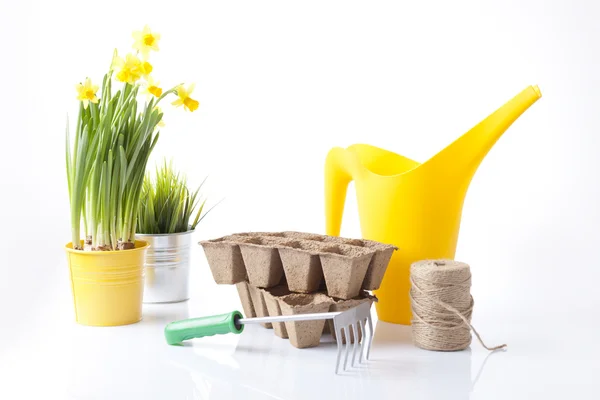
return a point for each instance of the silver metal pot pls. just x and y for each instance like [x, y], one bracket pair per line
[167, 267]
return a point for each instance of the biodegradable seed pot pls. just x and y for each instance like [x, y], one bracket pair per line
[259, 304]
[167, 267]
[303, 334]
[246, 299]
[274, 309]
[107, 286]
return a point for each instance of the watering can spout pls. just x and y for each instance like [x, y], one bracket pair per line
[462, 157]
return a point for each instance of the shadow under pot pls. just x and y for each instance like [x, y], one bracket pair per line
[167, 267]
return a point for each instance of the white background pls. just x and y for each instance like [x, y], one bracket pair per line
[280, 83]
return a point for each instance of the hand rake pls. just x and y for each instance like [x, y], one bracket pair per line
[346, 323]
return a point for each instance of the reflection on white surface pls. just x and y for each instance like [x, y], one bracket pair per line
[60, 359]
[135, 361]
[263, 365]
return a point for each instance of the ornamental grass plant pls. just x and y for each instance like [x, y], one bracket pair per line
[167, 203]
[115, 134]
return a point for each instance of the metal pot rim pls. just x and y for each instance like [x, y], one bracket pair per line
[165, 234]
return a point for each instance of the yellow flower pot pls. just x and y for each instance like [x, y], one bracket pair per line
[108, 286]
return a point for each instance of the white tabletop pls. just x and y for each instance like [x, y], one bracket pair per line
[50, 356]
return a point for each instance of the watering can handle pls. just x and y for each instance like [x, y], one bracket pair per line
[338, 175]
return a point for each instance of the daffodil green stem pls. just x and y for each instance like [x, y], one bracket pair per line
[106, 162]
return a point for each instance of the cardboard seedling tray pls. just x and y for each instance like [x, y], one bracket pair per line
[377, 265]
[280, 301]
[306, 260]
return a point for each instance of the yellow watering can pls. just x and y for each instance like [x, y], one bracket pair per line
[417, 207]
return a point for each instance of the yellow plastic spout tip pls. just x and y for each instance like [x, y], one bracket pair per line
[537, 90]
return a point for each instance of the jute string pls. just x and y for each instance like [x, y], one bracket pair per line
[442, 305]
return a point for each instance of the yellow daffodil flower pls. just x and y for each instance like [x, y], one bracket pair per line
[185, 99]
[146, 68]
[86, 92]
[146, 40]
[161, 122]
[152, 88]
[131, 68]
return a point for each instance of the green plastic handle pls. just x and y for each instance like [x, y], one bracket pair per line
[178, 331]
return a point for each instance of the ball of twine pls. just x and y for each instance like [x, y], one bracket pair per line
[442, 305]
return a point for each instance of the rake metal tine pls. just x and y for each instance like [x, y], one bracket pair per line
[338, 337]
[355, 339]
[371, 334]
[361, 355]
[347, 336]
[346, 327]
